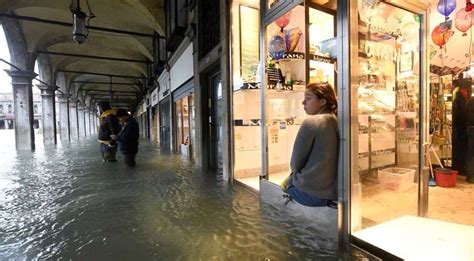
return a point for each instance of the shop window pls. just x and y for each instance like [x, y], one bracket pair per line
[183, 127]
[246, 92]
[294, 59]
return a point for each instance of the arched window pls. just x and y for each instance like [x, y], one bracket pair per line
[1, 109]
[35, 108]
[9, 108]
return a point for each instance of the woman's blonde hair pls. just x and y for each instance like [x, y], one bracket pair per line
[324, 90]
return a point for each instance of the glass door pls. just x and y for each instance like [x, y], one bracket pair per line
[385, 113]
[215, 123]
[165, 132]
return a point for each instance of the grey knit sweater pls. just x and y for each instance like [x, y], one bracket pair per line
[315, 155]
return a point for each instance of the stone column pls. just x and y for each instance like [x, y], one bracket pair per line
[93, 122]
[23, 106]
[87, 117]
[96, 122]
[80, 115]
[64, 131]
[74, 125]
[48, 113]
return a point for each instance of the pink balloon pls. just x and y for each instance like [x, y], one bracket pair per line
[384, 10]
[462, 20]
[284, 20]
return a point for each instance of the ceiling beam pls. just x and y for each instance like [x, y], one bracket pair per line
[94, 57]
[94, 28]
[103, 74]
[107, 91]
[107, 83]
[91, 94]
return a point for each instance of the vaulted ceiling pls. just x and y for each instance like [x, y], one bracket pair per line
[120, 43]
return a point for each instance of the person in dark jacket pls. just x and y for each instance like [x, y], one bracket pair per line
[470, 140]
[459, 134]
[128, 137]
[109, 125]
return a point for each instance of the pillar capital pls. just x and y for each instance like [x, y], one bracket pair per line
[47, 90]
[62, 97]
[21, 77]
[80, 105]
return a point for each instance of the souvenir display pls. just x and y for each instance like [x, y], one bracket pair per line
[388, 90]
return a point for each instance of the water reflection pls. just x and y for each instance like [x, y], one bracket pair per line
[65, 203]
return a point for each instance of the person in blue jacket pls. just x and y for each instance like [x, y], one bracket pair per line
[128, 137]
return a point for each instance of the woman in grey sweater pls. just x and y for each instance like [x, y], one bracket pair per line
[313, 179]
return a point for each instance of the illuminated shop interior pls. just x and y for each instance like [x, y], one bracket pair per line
[388, 73]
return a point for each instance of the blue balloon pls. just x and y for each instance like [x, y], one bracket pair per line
[277, 47]
[446, 7]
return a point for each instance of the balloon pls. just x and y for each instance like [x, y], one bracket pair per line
[463, 20]
[277, 47]
[441, 34]
[446, 7]
[292, 38]
[284, 20]
[384, 10]
[398, 14]
[410, 30]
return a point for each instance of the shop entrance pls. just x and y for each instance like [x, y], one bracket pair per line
[165, 124]
[215, 106]
[394, 144]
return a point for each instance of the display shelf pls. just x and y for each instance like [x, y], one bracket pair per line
[388, 118]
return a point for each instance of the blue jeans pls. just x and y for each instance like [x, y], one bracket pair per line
[305, 199]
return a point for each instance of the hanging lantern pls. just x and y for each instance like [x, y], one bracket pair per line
[79, 33]
[79, 25]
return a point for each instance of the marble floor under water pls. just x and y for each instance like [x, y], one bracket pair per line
[63, 202]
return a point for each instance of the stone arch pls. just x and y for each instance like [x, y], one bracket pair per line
[17, 45]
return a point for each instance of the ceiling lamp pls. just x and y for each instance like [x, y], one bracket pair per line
[79, 28]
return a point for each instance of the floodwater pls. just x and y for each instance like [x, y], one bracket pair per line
[65, 203]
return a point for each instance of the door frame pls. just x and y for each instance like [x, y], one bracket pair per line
[211, 129]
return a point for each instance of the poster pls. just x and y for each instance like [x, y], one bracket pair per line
[249, 41]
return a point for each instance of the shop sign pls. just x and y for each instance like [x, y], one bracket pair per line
[322, 59]
[291, 55]
[164, 91]
[154, 97]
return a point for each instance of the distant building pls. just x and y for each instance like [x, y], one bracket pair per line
[7, 111]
